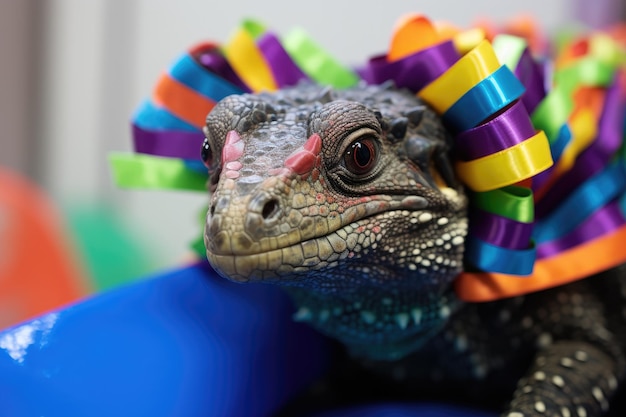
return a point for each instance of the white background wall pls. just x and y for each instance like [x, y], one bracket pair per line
[99, 58]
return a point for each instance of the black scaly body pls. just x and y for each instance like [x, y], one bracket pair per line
[347, 199]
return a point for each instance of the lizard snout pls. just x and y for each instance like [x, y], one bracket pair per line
[243, 223]
[245, 236]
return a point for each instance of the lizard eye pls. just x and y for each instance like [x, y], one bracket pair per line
[207, 153]
[361, 156]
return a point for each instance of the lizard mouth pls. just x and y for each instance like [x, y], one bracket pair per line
[356, 240]
[290, 262]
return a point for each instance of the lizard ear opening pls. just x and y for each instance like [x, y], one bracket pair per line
[433, 158]
[443, 170]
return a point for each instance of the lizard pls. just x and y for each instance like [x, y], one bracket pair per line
[347, 199]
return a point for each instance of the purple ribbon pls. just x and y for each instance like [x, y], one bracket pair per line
[500, 231]
[510, 128]
[212, 59]
[414, 71]
[603, 221]
[365, 73]
[532, 76]
[560, 143]
[285, 71]
[595, 157]
[168, 143]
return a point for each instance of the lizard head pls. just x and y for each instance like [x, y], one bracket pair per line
[346, 198]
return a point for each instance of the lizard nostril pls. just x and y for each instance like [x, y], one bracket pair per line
[270, 209]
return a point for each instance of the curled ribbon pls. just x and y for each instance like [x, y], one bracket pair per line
[317, 63]
[468, 71]
[248, 62]
[562, 164]
[514, 164]
[486, 98]
[508, 129]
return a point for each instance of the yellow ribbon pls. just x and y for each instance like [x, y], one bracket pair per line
[584, 127]
[507, 167]
[468, 71]
[468, 39]
[248, 61]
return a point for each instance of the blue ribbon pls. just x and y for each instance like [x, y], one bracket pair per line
[193, 75]
[150, 117]
[190, 73]
[592, 195]
[557, 146]
[483, 100]
[488, 257]
[197, 166]
[560, 143]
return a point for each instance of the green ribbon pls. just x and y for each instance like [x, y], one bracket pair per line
[607, 49]
[254, 28]
[197, 245]
[553, 112]
[151, 172]
[509, 49]
[587, 71]
[512, 202]
[316, 62]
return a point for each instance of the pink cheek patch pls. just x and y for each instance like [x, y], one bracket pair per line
[303, 160]
[279, 172]
[233, 148]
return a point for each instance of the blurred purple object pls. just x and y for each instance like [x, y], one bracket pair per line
[599, 13]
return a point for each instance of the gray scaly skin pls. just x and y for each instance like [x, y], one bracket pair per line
[348, 201]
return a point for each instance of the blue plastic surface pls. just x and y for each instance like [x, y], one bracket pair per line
[185, 343]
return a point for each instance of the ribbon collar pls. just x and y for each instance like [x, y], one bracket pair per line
[538, 141]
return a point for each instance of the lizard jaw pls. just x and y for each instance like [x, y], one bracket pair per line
[291, 261]
[291, 265]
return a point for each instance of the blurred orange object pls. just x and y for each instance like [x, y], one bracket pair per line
[413, 33]
[39, 271]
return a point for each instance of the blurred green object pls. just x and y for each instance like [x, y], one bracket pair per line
[112, 253]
